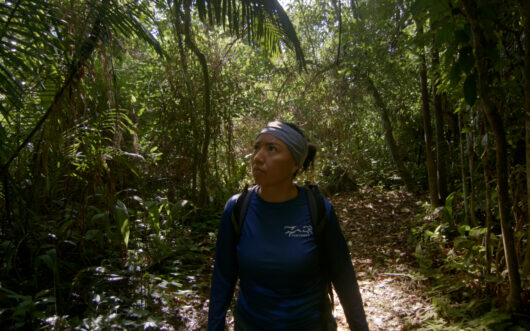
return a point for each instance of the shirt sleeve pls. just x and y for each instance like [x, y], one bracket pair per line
[224, 272]
[342, 274]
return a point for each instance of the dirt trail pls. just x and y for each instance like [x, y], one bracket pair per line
[376, 226]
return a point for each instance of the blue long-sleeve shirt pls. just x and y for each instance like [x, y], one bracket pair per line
[278, 265]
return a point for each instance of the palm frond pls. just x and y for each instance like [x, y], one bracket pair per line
[25, 34]
[125, 18]
[35, 35]
[288, 33]
[264, 22]
[31, 31]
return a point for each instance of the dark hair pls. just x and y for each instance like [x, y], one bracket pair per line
[311, 149]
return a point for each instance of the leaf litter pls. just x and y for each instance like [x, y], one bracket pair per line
[376, 225]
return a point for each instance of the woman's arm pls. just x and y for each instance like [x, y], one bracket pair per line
[224, 272]
[341, 272]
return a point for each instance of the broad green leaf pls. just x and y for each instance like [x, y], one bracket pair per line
[470, 90]
[462, 36]
[455, 74]
[466, 59]
[121, 216]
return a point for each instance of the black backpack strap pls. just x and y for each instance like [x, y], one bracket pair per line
[240, 210]
[317, 209]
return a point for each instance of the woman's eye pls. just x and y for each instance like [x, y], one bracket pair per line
[272, 148]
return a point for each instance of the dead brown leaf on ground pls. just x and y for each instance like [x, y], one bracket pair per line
[376, 226]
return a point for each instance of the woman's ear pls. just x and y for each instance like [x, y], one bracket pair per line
[295, 169]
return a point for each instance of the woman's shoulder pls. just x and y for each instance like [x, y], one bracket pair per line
[231, 202]
[328, 204]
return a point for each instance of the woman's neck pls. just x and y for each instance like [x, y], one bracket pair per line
[278, 193]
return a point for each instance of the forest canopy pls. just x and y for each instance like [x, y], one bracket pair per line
[126, 125]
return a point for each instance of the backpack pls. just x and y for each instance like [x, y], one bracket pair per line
[317, 210]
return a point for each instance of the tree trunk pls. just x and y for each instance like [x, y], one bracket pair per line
[389, 136]
[525, 13]
[488, 106]
[489, 216]
[203, 164]
[441, 143]
[463, 168]
[178, 27]
[526, 263]
[427, 128]
[471, 161]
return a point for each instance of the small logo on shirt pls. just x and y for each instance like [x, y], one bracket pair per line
[298, 231]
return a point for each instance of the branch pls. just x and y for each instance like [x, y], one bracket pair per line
[207, 105]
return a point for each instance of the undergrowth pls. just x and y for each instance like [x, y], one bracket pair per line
[154, 279]
[463, 284]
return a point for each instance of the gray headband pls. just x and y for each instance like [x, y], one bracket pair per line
[296, 143]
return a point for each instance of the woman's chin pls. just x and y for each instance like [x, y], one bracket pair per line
[258, 175]
[257, 181]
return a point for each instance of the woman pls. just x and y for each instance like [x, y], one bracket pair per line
[282, 273]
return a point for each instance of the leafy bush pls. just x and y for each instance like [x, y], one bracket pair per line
[461, 280]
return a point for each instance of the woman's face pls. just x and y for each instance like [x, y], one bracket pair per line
[272, 162]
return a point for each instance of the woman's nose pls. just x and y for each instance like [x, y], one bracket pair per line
[258, 156]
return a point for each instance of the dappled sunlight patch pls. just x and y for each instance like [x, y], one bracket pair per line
[391, 303]
[376, 226]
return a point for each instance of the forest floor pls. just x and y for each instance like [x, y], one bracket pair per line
[376, 225]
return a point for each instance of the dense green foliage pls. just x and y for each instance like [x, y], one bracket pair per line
[125, 126]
